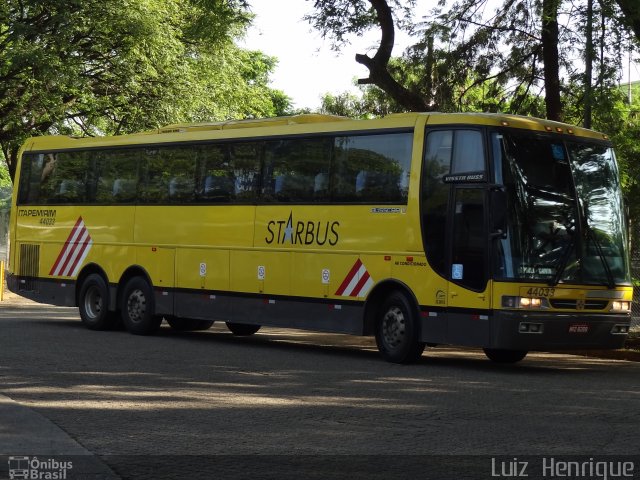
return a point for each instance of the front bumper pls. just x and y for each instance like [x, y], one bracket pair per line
[559, 331]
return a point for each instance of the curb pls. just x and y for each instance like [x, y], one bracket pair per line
[24, 433]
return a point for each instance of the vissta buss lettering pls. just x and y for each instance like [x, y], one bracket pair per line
[302, 233]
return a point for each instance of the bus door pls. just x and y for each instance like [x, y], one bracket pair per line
[469, 295]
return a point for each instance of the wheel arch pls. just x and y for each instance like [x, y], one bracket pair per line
[87, 270]
[378, 294]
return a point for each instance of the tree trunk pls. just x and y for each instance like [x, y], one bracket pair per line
[550, 59]
[631, 11]
[588, 69]
[378, 64]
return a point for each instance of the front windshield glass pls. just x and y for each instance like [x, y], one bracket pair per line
[565, 215]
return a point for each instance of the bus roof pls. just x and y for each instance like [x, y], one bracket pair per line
[306, 123]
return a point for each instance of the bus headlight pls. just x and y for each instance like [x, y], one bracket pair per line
[523, 302]
[620, 306]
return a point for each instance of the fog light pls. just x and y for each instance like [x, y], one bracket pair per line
[620, 329]
[526, 327]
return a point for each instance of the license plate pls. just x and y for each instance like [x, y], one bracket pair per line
[579, 328]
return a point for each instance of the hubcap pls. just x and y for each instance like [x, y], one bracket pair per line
[136, 305]
[393, 327]
[93, 302]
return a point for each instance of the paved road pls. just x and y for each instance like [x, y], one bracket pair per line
[314, 402]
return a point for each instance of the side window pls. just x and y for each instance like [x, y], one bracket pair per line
[297, 170]
[435, 197]
[216, 180]
[168, 175]
[64, 178]
[116, 176]
[468, 152]
[30, 177]
[180, 163]
[244, 162]
[372, 168]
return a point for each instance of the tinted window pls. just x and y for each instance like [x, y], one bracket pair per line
[116, 176]
[344, 169]
[55, 178]
[372, 168]
[435, 197]
[216, 181]
[297, 170]
[168, 175]
[468, 152]
[244, 162]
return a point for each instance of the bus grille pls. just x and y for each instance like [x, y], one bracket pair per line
[573, 304]
[29, 266]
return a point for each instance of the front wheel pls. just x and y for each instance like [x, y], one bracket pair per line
[505, 356]
[398, 330]
[138, 307]
[242, 329]
[93, 303]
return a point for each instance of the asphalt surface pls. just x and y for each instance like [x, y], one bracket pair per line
[292, 404]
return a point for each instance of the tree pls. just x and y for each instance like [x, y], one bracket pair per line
[340, 18]
[108, 67]
[517, 53]
[631, 15]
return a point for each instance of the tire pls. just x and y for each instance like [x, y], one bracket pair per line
[242, 329]
[138, 308]
[93, 303]
[398, 330]
[505, 356]
[189, 324]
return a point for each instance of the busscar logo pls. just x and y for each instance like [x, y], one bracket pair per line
[301, 232]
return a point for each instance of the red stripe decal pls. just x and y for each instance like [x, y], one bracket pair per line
[66, 244]
[349, 277]
[360, 284]
[72, 267]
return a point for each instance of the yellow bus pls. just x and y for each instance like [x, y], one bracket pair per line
[501, 232]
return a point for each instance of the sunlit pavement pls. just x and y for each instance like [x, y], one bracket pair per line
[135, 402]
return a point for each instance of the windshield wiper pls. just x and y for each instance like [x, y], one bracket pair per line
[610, 280]
[562, 264]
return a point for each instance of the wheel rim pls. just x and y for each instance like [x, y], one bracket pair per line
[136, 305]
[93, 302]
[393, 327]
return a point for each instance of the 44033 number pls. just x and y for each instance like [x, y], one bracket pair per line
[541, 292]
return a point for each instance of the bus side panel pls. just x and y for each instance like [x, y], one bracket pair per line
[302, 313]
[256, 271]
[202, 275]
[196, 226]
[58, 241]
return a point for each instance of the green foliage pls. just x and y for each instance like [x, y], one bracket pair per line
[107, 67]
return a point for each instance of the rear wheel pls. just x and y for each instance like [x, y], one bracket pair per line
[242, 329]
[398, 330]
[93, 303]
[138, 307]
[505, 356]
[189, 324]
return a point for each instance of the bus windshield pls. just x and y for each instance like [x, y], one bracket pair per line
[566, 220]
